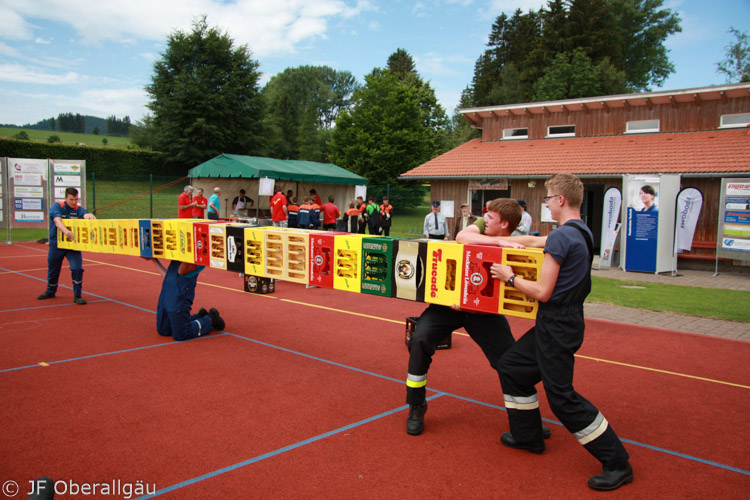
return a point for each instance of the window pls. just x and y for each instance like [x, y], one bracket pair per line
[561, 131]
[641, 126]
[515, 133]
[732, 121]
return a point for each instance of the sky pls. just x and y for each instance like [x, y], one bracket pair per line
[96, 57]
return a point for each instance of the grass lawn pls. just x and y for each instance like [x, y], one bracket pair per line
[67, 137]
[703, 302]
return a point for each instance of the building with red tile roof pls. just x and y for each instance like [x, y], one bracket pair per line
[701, 134]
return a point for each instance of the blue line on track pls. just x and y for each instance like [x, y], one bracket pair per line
[301, 443]
[48, 306]
[278, 451]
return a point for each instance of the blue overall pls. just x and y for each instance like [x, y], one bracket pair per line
[56, 255]
[175, 301]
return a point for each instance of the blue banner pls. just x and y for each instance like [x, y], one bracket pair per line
[642, 233]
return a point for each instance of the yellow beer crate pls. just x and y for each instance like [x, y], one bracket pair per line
[443, 269]
[255, 251]
[298, 250]
[128, 237]
[347, 262]
[275, 253]
[178, 240]
[527, 263]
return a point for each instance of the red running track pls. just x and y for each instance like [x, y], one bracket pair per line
[303, 397]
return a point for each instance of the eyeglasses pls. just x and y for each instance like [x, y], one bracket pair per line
[547, 198]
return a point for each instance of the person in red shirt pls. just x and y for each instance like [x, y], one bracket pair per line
[200, 204]
[314, 197]
[279, 212]
[330, 214]
[185, 204]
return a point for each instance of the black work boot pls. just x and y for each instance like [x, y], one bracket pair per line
[217, 323]
[202, 312]
[415, 422]
[45, 295]
[534, 447]
[611, 479]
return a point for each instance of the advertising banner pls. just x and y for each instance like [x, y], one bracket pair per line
[689, 204]
[734, 220]
[643, 224]
[610, 228]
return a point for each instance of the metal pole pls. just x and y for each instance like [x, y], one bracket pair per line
[150, 196]
[93, 189]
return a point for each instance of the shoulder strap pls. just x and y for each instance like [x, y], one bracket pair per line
[587, 238]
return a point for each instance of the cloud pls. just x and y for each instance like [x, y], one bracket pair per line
[16, 73]
[435, 64]
[267, 27]
[9, 51]
[42, 41]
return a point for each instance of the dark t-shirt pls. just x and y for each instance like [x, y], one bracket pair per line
[568, 247]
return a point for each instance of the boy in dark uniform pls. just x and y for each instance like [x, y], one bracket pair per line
[546, 352]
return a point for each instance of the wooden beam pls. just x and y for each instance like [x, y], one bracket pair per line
[585, 108]
[526, 111]
[649, 104]
[626, 104]
[605, 106]
[673, 101]
[698, 101]
[565, 109]
[547, 112]
[723, 97]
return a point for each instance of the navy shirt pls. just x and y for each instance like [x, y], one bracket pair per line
[62, 210]
[568, 247]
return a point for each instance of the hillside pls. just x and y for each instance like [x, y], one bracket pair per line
[67, 137]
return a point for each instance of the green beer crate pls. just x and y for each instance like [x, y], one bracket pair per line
[377, 265]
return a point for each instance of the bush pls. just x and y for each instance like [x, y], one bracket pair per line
[22, 136]
[53, 138]
[105, 141]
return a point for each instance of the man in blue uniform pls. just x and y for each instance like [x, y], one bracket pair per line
[68, 209]
[173, 316]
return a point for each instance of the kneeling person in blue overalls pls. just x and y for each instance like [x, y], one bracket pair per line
[173, 316]
[68, 209]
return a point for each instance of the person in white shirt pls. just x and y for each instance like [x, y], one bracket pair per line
[435, 224]
[525, 226]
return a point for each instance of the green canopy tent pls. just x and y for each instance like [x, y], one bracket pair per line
[231, 173]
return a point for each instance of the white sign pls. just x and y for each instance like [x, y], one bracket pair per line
[27, 179]
[265, 186]
[360, 191]
[28, 204]
[28, 192]
[67, 168]
[446, 207]
[60, 193]
[29, 216]
[67, 180]
[738, 189]
[546, 214]
[26, 166]
[736, 245]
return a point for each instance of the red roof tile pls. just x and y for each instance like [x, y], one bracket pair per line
[720, 151]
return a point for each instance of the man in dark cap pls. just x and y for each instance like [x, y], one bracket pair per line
[435, 225]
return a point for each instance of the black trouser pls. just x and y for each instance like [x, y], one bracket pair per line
[490, 331]
[386, 230]
[546, 353]
[436, 236]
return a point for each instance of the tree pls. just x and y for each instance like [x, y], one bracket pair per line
[105, 141]
[95, 131]
[143, 133]
[574, 75]
[309, 98]
[736, 63]
[22, 136]
[624, 39]
[393, 126]
[53, 138]
[401, 63]
[205, 97]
